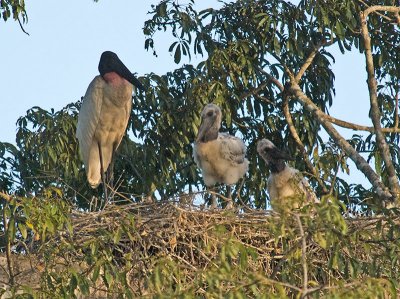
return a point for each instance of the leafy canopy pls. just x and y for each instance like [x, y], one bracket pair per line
[268, 65]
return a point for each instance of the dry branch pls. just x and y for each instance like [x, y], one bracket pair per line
[372, 87]
[289, 120]
[193, 238]
[10, 267]
[357, 127]
[303, 255]
[296, 137]
[360, 162]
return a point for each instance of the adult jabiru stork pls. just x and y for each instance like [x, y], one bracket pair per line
[220, 156]
[103, 118]
[284, 182]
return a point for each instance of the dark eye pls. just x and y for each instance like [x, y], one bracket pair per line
[210, 113]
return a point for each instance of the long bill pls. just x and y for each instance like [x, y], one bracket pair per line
[204, 129]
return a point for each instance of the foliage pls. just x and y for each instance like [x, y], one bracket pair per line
[252, 50]
[170, 250]
[14, 9]
[268, 65]
[45, 155]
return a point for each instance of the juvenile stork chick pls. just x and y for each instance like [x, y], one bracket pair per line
[285, 183]
[220, 156]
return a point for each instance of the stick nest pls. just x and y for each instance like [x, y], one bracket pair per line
[174, 249]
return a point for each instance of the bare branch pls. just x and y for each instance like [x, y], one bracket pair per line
[382, 15]
[303, 257]
[272, 79]
[264, 99]
[10, 266]
[356, 127]
[372, 87]
[375, 8]
[308, 61]
[300, 144]
[396, 109]
[293, 131]
[360, 162]
[255, 92]
[326, 121]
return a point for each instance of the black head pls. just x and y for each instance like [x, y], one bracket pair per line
[110, 62]
[273, 156]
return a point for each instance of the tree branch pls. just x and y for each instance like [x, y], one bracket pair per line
[300, 144]
[271, 78]
[303, 257]
[383, 16]
[360, 162]
[10, 265]
[326, 120]
[307, 63]
[288, 116]
[356, 127]
[396, 109]
[372, 87]
[255, 92]
[375, 8]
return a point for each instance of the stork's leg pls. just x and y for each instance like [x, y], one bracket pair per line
[229, 204]
[214, 203]
[110, 172]
[103, 179]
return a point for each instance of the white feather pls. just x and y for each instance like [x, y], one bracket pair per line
[284, 183]
[102, 120]
[221, 160]
[289, 183]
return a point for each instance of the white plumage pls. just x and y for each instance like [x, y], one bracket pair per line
[285, 182]
[104, 116]
[220, 156]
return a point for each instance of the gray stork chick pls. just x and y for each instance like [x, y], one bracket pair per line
[104, 116]
[285, 182]
[220, 156]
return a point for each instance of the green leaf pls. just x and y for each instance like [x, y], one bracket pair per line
[171, 48]
[177, 56]
[117, 235]
[228, 119]
[11, 229]
[23, 230]
[109, 279]
[96, 272]
[84, 286]
[49, 225]
[320, 239]
[340, 31]
[162, 9]
[73, 283]
[277, 45]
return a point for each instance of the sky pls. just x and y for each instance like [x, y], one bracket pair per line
[53, 66]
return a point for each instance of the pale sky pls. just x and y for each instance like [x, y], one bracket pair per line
[54, 65]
